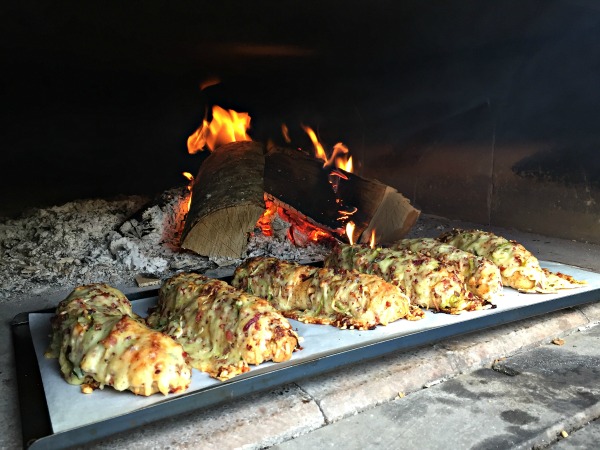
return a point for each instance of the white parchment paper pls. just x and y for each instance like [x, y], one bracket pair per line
[70, 409]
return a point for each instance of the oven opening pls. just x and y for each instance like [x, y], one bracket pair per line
[336, 183]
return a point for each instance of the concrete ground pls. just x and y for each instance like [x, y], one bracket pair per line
[545, 397]
[504, 387]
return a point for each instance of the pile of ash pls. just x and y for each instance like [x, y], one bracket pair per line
[88, 241]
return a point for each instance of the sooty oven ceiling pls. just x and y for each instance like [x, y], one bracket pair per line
[474, 110]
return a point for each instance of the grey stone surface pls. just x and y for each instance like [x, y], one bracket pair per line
[525, 402]
[585, 438]
[253, 422]
[343, 393]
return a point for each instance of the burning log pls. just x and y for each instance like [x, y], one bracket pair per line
[230, 188]
[299, 181]
[380, 209]
[227, 200]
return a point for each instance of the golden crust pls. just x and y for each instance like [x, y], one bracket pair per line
[520, 269]
[100, 342]
[482, 277]
[338, 297]
[222, 329]
[428, 282]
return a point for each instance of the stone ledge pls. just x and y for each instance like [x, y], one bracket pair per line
[255, 421]
[349, 391]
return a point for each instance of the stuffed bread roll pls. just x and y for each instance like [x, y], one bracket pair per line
[427, 282]
[483, 277]
[519, 268]
[100, 341]
[222, 329]
[346, 299]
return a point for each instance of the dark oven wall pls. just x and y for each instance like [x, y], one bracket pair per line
[483, 111]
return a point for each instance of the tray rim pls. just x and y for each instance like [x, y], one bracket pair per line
[37, 430]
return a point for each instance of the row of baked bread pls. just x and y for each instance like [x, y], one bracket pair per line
[209, 325]
[221, 329]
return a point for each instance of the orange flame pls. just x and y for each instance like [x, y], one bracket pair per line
[319, 150]
[343, 162]
[339, 157]
[187, 202]
[350, 232]
[264, 223]
[286, 133]
[226, 126]
[372, 241]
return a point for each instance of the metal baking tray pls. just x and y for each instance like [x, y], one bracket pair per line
[42, 393]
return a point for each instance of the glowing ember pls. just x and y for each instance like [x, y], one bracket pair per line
[300, 232]
[264, 223]
[226, 126]
[303, 233]
[350, 232]
[337, 173]
[344, 215]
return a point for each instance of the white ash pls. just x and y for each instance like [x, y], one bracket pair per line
[88, 241]
[280, 246]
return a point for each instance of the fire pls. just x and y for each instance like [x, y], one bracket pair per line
[226, 126]
[372, 241]
[300, 232]
[286, 133]
[339, 157]
[343, 162]
[187, 202]
[350, 232]
[345, 165]
[264, 223]
[319, 150]
[189, 176]
[230, 126]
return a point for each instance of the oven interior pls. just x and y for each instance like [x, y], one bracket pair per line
[485, 112]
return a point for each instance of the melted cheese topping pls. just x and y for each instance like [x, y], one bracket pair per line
[222, 329]
[346, 299]
[519, 268]
[482, 276]
[99, 341]
[428, 282]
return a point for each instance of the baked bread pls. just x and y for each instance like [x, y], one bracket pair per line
[482, 277]
[519, 268]
[428, 282]
[99, 342]
[339, 297]
[222, 329]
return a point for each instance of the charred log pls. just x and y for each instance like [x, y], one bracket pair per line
[297, 182]
[378, 207]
